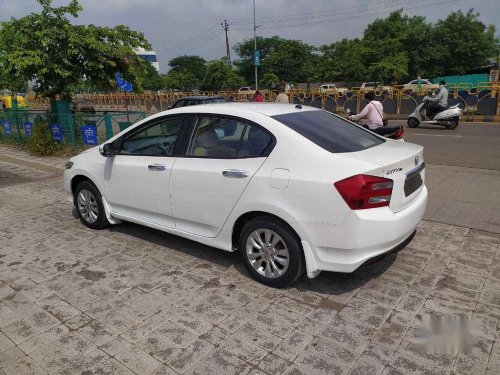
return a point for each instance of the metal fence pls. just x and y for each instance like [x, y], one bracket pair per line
[482, 100]
[78, 128]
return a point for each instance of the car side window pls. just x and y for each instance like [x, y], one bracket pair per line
[219, 137]
[157, 139]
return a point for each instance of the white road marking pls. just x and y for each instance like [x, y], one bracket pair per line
[439, 135]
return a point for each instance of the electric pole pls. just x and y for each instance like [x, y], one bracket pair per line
[225, 26]
[255, 45]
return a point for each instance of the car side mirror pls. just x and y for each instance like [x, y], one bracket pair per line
[107, 150]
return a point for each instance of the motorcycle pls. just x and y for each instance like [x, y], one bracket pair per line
[448, 117]
[392, 132]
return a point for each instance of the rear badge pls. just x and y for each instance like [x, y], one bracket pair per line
[416, 160]
[394, 170]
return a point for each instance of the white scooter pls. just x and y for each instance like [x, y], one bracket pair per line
[448, 117]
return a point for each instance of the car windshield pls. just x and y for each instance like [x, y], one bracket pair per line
[331, 132]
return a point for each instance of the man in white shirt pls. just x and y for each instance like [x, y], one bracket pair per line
[373, 111]
[282, 98]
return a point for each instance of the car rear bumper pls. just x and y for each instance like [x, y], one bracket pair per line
[365, 234]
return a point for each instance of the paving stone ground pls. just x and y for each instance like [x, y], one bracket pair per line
[132, 300]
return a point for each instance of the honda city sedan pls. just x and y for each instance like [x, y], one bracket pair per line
[293, 188]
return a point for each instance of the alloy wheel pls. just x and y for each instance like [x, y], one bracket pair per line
[267, 253]
[87, 206]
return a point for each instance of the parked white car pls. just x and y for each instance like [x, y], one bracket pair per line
[291, 187]
[372, 86]
[425, 83]
[245, 91]
[331, 88]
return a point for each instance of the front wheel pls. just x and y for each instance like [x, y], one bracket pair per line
[271, 251]
[413, 122]
[88, 202]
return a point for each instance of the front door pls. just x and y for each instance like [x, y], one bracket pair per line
[223, 155]
[137, 180]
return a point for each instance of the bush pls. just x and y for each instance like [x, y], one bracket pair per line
[41, 141]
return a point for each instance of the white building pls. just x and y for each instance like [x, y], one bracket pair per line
[149, 56]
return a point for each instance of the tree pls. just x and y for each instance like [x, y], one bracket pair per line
[189, 64]
[267, 79]
[46, 48]
[463, 43]
[183, 81]
[220, 76]
[245, 51]
[342, 61]
[288, 60]
[152, 79]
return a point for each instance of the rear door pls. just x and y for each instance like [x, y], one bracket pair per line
[222, 156]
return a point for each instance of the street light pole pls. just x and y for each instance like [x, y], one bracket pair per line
[255, 45]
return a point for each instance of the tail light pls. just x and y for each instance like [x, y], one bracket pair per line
[399, 134]
[363, 191]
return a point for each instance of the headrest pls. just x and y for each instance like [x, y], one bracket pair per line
[208, 138]
[257, 137]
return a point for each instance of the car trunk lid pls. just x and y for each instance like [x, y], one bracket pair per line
[401, 162]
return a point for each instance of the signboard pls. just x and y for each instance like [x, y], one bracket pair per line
[27, 128]
[89, 134]
[55, 129]
[6, 127]
[256, 57]
[122, 84]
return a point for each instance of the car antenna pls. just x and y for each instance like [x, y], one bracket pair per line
[298, 106]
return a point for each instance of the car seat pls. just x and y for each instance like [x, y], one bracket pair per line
[208, 144]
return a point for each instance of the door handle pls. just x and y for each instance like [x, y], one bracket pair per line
[157, 167]
[235, 173]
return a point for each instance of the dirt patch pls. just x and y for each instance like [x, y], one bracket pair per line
[92, 275]
[8, 178]
[332, 305]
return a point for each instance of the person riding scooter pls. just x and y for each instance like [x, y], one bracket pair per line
[372, 111]
[439, 102]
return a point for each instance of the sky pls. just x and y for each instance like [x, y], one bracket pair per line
[180, 27]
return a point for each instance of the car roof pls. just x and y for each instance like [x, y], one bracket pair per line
[268, 109]
[202, 97]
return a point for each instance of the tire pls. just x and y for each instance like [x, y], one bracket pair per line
[271, 267]
[413, 122]
[453, 125]
[88, 203]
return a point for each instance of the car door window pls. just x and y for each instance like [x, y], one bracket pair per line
[217, 137]
[157, 139]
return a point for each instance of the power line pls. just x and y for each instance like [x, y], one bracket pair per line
[324, 13]
[190, 39]
[367, 12]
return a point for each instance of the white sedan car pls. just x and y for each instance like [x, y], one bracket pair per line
[293, 188]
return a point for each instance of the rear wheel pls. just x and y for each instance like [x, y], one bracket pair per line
[271, 251]
[453, 123]
[413, 122]
[88, 202]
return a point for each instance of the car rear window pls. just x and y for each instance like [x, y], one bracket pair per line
[330, 132]
[214, 100]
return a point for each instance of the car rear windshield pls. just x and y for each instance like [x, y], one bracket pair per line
[214, 100]
[330, 132]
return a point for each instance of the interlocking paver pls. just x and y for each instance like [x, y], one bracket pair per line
[130, 299]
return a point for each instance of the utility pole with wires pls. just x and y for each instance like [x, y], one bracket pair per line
[225, 27]
[255, 47]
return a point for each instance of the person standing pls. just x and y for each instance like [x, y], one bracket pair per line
[282, 97]
[373, 111]
[258, 97]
